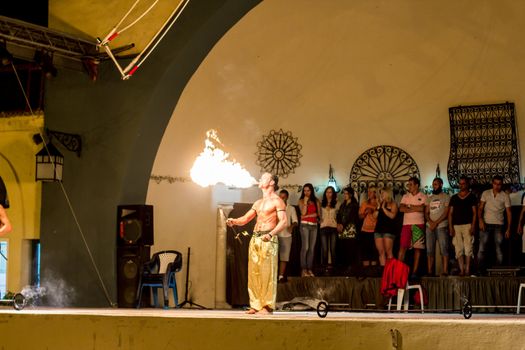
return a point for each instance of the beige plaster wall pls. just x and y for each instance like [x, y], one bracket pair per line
[17, 167]
[342, 76]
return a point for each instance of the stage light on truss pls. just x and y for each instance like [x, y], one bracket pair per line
[45, 60]
[5, 56]
[49, 164]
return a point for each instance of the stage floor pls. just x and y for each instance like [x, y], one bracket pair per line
[80, 328]
[277, 315]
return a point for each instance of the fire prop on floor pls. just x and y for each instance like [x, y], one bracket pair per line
[18, 301]
[214, 166]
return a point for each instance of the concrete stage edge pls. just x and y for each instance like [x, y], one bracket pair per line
[192, 329]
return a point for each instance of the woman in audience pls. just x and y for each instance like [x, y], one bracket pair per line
[328, 226]
[385, 231]
[347, 220]
[368, 213]
[309, 206]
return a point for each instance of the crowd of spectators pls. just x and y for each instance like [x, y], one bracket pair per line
[357, 237]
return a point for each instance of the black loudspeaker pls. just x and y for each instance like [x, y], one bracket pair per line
[129, 261]
[134, 225]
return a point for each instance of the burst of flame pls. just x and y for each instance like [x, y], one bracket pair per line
[213, 166]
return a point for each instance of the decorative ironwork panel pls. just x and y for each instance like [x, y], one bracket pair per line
[72, 142]
[383, 167]
[483, 143]
[279, 153]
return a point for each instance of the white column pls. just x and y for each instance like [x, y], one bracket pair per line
[220, 265]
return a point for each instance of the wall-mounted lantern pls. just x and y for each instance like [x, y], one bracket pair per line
[49, 164]
[331, 179]
[49, 161]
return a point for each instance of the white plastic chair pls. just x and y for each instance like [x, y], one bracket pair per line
[522, 285]
[403, 298]
[159, 272]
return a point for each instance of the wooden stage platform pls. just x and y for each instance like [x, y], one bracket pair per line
[44, 328]
[443, 292]
[148, 328]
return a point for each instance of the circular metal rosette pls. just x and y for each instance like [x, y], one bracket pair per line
[383, 167]
[279, 153]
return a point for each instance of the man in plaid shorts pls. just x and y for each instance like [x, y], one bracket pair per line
[413, 207]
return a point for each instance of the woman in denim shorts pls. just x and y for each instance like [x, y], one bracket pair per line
[386, 226]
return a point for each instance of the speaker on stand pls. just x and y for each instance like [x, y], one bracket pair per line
[135, 225]
[130, 260]
[134, 238]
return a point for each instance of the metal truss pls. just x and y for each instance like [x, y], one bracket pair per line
[23, 39]
[33, 36]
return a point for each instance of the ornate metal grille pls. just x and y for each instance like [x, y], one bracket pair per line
[383, 167]
[483, 143]
[279, 153]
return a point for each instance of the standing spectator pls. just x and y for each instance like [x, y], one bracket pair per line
[386, 226]
[493, 204]
[285, 237]
[5, 224]
[347, 220]
[436, 213]
[368, 213]
[413, 206]
[328, 226]
[310, 212]
[522, 214]
[462, 215]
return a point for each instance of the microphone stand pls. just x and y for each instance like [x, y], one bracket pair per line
[186, 300]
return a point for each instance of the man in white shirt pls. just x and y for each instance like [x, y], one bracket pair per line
[285, 236]
[436, 213]
[521, 223]
[493, 204]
